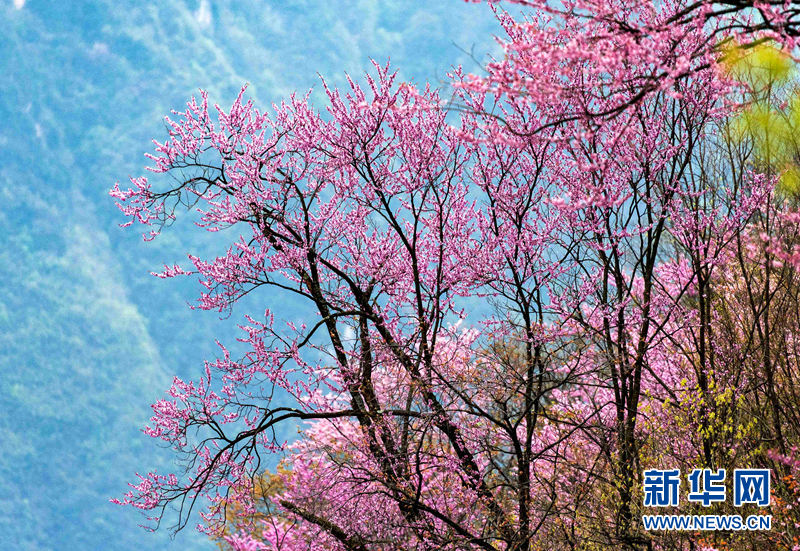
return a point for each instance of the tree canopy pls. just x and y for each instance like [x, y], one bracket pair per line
[608, 188]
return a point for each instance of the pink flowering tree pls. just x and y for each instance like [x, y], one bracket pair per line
[582, 190]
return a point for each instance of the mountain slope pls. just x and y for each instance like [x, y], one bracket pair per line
[88, 339]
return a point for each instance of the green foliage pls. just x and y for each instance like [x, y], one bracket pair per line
[770, 119]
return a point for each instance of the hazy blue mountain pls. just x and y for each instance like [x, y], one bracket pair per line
[87, 338]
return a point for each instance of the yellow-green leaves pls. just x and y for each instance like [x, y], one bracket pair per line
[760, 65]
[770, 120]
